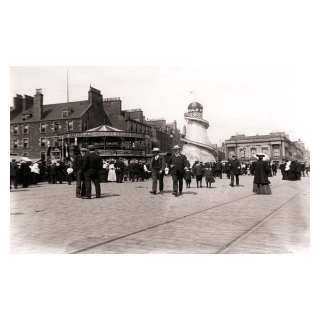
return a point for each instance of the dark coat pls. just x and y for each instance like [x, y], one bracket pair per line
[261, 172]
[14, 169]
[92, 161]
[179, 163]
[235, 166]
[131, 166]
[119, 166]
[77, 162]
[162, 164]
[25, 169]
[137, 168]
[198, 170]
[274, 167]
[188, 175]
[298, 167]
[218, 166]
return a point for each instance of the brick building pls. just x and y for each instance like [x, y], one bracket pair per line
[276, 145]
[34, 126]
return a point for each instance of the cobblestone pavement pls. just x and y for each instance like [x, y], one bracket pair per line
[128, 219]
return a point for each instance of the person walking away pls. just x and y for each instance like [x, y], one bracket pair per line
[178, 163]
[60, 171]
[25, 173]
[112, 173]
[131, 171]
[261, 184]
[252, 166]
[303, 168]
[227, 169]
[219, 169]
[198, 172]
[136, 171]
[235, 169]
[92, 163]
[298, 170]
[274, 169]
[188, 177]
[157, 171]
[208, 174]
[119, 166]
[14, 172]
[53, 173]
[35, 172]
[77, 165]
[307, 169]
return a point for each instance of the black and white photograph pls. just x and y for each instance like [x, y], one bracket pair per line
[160, 160]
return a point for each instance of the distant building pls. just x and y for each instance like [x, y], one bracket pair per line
[276, 145]
[164, 135]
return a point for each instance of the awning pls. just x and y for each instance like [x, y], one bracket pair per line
[104, 128]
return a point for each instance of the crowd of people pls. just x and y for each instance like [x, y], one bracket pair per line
[88, 167]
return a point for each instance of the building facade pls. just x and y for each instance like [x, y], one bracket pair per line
[35, 127]
[276, 145]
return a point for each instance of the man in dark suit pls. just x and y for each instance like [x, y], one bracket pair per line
[136, 171]
[157, 171]
[298, 170]
[178, 163]
[14, 170]
[303, 168]
[78, 171]
[92, 163]
[25, 173]
[131, 171]
[274, 169]
[218, 168]
[235, 170]
[119, 166]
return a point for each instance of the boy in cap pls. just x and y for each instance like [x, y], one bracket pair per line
[188, 177]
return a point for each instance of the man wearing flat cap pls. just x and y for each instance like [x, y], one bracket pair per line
[235, 169]
[78, 171]
[92, 164]
[157, 171]
[178, 163]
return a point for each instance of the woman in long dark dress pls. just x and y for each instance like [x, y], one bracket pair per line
[261, 182]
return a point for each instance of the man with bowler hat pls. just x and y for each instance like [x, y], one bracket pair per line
[157, 171]
[78, 171]
[178, 163]
[235, 169]
[92, 163]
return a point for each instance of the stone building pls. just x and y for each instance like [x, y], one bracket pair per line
[164, 135]
[276, 145]
[35, 126]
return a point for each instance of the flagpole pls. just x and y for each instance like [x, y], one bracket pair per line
[67, 87]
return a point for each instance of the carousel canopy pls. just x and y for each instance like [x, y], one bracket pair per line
[104, 128]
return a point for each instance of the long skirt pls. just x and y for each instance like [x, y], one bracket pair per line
[261, 188]
[209, 179]
[112, 175]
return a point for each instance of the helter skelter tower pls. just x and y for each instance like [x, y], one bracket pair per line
[197, 145]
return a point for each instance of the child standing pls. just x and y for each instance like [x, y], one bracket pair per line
[188, 177]
[208, 173]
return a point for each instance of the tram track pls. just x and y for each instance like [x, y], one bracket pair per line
[222, 250]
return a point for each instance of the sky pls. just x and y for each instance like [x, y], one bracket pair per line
[236, 100]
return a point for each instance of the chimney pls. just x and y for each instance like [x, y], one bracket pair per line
[184, 130]
[27, 103]
[38, 105]
[17, 102]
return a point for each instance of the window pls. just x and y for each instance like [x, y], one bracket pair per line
[26, 129]
[42, 142]
[265, 150]
[276, 152]
[231, 153]
[242, 153]
[85, 125]
[25, 117]
[253, 152]
[43, 127]
[42, 155]
[15, 144]
[66, 113]
[25, 154]
[15, 129]
[56, 126]
[26, 143]
[70, 125]
[55, 141]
